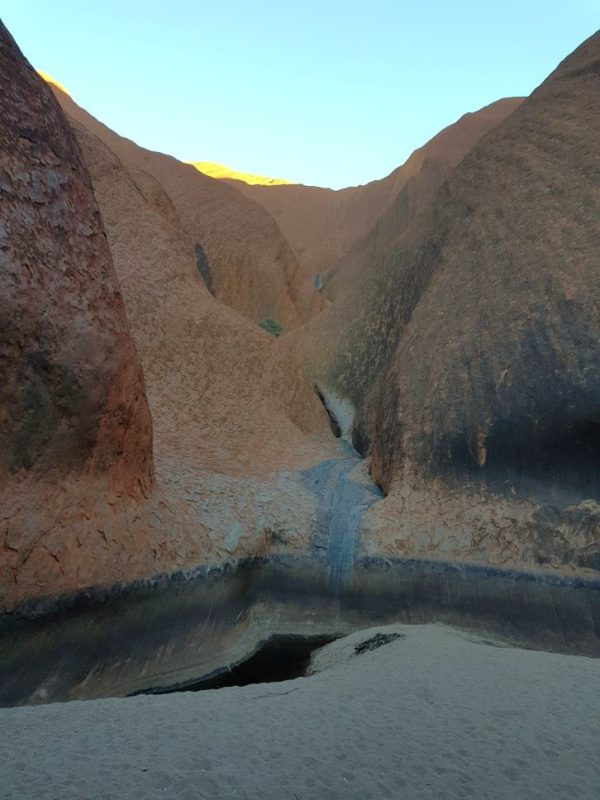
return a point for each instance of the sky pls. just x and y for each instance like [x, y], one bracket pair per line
[324, 92]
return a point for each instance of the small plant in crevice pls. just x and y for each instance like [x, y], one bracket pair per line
[271, 326]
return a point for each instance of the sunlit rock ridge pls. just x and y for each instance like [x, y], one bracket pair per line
[226, 173]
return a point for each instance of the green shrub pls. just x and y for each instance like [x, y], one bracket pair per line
[271, 326]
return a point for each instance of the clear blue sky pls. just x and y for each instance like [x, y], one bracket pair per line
[327, 92]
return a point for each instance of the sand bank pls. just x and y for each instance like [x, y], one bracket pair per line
[437, 713]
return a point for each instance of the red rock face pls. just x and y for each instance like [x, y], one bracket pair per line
[79, 504]
[75, 428]
[495, 374]
[242, 256]
[72, 395]
[347, 348]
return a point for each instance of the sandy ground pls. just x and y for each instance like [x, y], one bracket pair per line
[437, 714]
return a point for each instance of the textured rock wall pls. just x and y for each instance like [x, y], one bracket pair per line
[470, 353]
[496, 373]
[466, 354]
[236, 427]
[487, 429]
[224, 395]
[72, 395]
[78, 499]
[325, 226]
[426, 168]
[253, 269]
[347, 348]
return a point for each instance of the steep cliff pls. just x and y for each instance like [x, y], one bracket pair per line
[242, 255]
[75, 431]
[224, 395]
[346, 349]
[235, 423]
[490, 406]
[324, 226]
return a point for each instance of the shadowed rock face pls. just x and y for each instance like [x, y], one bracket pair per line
[252, 267]
[347, 348]
[467, 354]
[409, 191]
[72, 395]
[326, 227]
[77, 491]
[496, 372]
[487, 423]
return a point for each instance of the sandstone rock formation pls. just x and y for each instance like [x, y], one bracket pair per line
[509, 291]
[346, 349]
[224, 395]
[235, 424]
[323, 226]
[460, 351]
[72, 392]
[485, 413]
[76, 436]
[240, 252]
[408, 189]
[80, 503]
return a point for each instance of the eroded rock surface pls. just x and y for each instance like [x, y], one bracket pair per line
[347, 348]
[240, 251]
[72, 387]
[410, 190]
[487, 427]
[239, 434]
[460, 353]
[77, 491]
[235, 423]
[496, 368]
[325, 227]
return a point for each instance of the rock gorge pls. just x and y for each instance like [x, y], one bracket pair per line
[422, 441]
